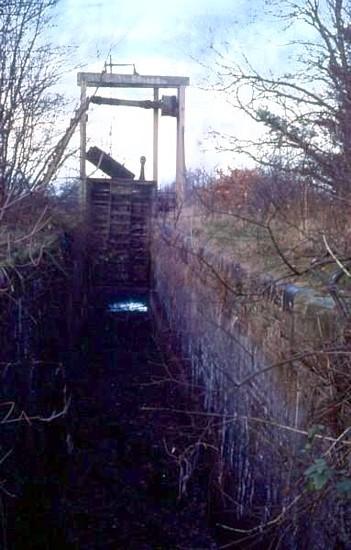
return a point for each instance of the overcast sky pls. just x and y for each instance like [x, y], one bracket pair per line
[167, 38]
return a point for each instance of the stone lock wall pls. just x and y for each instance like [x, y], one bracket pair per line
[236, 330]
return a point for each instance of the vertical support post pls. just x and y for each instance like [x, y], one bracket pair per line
[83, 146]
[180, 162]
[155, 141]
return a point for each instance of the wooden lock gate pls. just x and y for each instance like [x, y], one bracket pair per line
[120, 231]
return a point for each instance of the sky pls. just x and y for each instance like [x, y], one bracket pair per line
[167, 38]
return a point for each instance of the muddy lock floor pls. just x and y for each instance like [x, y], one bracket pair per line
[119, 488]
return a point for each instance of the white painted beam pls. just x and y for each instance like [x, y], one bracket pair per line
[83, 147]
[112, 80]
[180, 161]
[155, 138]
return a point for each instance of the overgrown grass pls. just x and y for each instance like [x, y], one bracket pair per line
[32, 225]
[305, 245]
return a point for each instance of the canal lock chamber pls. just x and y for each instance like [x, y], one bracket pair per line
[118, 414]
[88, 447]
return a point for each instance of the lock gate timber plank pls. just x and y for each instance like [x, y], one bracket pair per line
[120, 218]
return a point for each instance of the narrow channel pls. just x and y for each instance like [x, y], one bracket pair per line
[111, 481]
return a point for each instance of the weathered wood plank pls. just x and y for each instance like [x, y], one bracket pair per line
[130, 80]
[120, 214]
[107, 164]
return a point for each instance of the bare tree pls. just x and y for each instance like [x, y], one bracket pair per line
[307, 112]
[29, 68]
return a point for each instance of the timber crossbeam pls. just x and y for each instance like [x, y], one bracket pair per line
[146, 104]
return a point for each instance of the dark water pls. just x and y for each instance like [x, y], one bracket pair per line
[102, 477]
